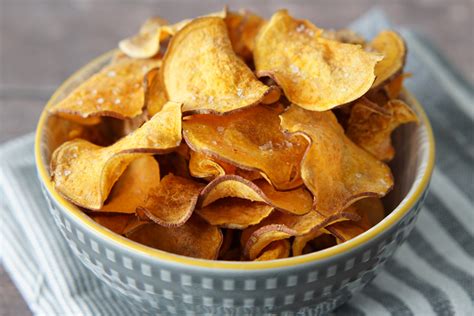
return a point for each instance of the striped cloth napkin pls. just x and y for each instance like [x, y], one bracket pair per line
[432, 273]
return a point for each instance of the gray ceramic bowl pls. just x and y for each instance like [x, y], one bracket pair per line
[168, 283]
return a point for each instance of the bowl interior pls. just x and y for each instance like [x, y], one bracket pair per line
[411, 166]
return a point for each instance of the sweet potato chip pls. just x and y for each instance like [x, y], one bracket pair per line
[172, 29]
[334, 169]
[300, 242]
[118, 223]
[370, 126]
[201, 70]
[146, 43]
[345, 231]
[118, 90]
[131, 189]
[297, 201]
[155, 94]
[315, 73]
[195, 238]
[276, 250]
[173, 201]
[204, 166]
[392, 46]
[88, 184]
[235, 213]
[94, 120]
[344, 36]
[243, 27]
[282, 226]
[250, 139]
[394, 87]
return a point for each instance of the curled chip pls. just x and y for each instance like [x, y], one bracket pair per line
[250, 139]
[243, 27]
[118, 90]
[344, 36]
[334, 169]
[173, 201]
[121, 224]
[155, 96]
[201, 70]
[172, 29]
[392, 46]
[300, 242]
[370, 125]
[394, 87]
[93, 120]
[146, 43]
[235, 213]
[345, 231]
[131, 189]
[314, 73]
[276, 250]
[88, 184]
[204, 166]
[280, 225]
[297, 201]
[195, 238]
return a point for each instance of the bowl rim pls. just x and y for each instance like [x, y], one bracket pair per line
[414, 194]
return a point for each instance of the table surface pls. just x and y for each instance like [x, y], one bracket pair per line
[43, 41]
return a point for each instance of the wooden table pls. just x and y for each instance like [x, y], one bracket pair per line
[43, 41]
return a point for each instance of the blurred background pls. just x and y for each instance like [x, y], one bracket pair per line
[42, 42]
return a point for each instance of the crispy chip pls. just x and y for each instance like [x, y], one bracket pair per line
[334, 169]
[146, 43]
[155, 94]
[392, 46]
[173, 201]
[243, 27]
[201, 70]
[84, 173]
[370, 125]
[300, 242]
[235, 213]
[250, 139]
[282, 226]
[394, 87]
[175, 28]
[345, 231]
[344, 36]
[204, 166]
[297, 201]
[118, 223]
[118, 90]
[276, 250]
[94, 120]
[131, 189]
[195, 238]
[315, 73]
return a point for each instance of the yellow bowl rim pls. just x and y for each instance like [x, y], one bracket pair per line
[413, 195]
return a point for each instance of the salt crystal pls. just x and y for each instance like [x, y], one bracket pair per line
[117, 101]
[111, 73]
[220, 129]
[210, 99]
[214, 142]
[300, 28]
[94, 92]
[136, 85]
[67, 173]
[288, 144]
[358, 175]
[294, 69]
[80, 102]
[100, 100]
[266, 146]
[240, 92]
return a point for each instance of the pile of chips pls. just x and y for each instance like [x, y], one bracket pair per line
[232, 137]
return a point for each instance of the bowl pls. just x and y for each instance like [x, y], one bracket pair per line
[315, 283]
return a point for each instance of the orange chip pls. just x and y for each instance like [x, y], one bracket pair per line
[243, 27]
[334, 169]
[204, 166]
[370, 125]
[345, 231]
[279, 226]
[392, 46]
[394, 87]
[235, 213]
[155, 94]
[195, 238]
[300, 242]
[276, 250]
[79, 119]
[146, 43]
[297, 201]
[172, 202]
[118, 223]
[88, 184]
[201, 70]
[172, 29]
[118, 90]
[315, 73]
[131, 189]
[250, 139]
